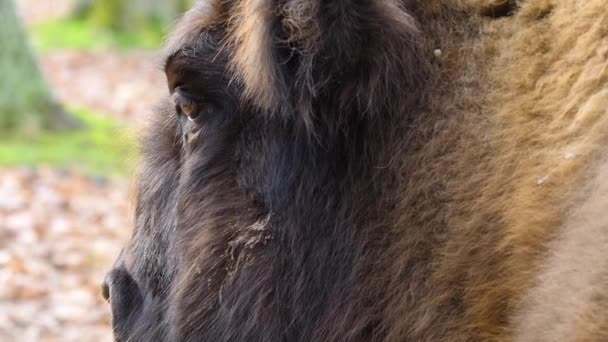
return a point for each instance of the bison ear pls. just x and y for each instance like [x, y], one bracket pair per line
[297, 50]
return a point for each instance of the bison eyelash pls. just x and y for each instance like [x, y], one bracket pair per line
[185, 105]
[195, 109]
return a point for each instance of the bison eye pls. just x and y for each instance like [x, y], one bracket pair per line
[194, 109]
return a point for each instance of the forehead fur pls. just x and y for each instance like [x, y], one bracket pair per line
[248, 35]
[256, 29]
[204, 15]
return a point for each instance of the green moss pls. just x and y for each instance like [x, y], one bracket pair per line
[102, 148]
[80, 34]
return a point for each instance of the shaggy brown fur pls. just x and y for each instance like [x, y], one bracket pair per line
[375, 170]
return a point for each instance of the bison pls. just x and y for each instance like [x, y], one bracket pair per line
[374, 170]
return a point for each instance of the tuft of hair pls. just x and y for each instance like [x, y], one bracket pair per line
[291, 56]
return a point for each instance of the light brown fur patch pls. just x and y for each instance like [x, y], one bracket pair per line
[569, 301]
[525, 108]
[250, 36]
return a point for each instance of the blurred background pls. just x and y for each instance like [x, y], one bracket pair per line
[77, 81]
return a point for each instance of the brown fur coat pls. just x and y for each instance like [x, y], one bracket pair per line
[416, 170]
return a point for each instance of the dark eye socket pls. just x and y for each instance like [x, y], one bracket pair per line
[189, 106]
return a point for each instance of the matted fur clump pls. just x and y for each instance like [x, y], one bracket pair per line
[380, 170]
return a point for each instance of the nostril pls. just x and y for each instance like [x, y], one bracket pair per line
[118, 287]
[125, 298]
[105, 288]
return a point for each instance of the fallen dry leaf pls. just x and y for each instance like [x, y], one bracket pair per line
[59, 237]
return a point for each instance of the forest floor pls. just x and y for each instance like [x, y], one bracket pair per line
[60, 230]
[59, 233]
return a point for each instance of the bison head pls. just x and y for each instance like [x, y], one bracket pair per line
[266, 173]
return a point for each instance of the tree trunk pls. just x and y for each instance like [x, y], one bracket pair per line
[26, 103]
